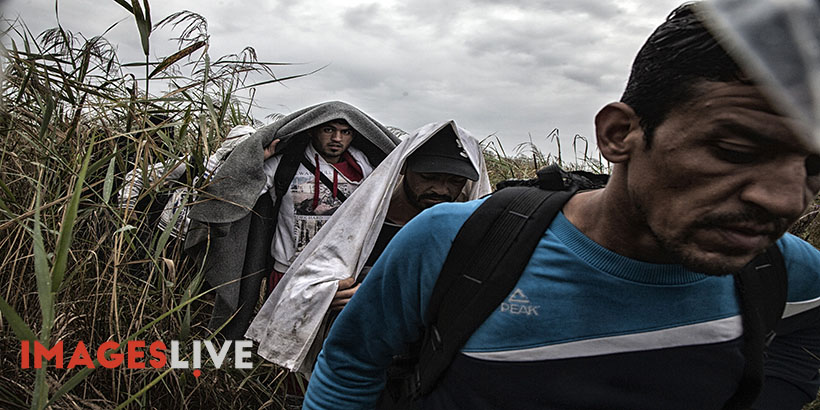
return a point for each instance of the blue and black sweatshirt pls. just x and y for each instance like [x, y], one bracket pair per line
[584, 328]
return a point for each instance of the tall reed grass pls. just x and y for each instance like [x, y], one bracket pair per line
[74, 120]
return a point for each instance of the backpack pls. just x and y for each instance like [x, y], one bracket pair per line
[490, 253]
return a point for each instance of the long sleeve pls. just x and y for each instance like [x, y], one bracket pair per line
[792, 361]
[793, 357]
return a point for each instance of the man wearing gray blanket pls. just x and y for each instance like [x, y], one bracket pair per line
[273, 194]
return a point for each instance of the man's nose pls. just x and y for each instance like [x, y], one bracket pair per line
[439, 189]
[336, 135]
[781, 189]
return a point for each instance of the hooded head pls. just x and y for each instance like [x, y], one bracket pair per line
[233, 194]
[332, 139]
[443, 153]
[436, 172]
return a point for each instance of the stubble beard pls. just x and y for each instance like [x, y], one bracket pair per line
[692, 259]
[684, 250]
[416, 200]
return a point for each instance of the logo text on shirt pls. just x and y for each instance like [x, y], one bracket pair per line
[519, 304]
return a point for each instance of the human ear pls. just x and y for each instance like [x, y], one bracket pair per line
[613, 125]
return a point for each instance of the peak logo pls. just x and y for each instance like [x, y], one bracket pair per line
[133, 355]
[519, 304]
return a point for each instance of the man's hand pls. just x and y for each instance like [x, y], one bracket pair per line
[271, 149]
[344, 293]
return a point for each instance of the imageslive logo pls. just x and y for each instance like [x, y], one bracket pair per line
[134, 356]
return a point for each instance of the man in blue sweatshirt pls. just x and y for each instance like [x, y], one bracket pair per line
[628, 301]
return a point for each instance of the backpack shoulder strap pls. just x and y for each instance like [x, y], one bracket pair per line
[312, 169]
[766, 282]
[762, 287]
[488, 256]
[288, 165]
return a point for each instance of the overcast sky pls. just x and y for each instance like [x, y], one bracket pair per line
[509, 68]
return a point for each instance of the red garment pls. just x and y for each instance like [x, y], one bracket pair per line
[347, 166]
[273, 280]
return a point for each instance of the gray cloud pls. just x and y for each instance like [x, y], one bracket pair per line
[516, 68]
[599, 9]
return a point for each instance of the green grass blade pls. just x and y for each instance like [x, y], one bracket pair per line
[108, 186]
[143, 27]
[147, 14]
[125, 5]
[67, 228]
[101, 162]
[8, 192]
[18, 326]
[277, 80]
[47, 113]
[41, 270]
[46, 297]
[192, 289]
[40, 389]
[166, 233]
[179, 55]
[26, 80]
[86, 59]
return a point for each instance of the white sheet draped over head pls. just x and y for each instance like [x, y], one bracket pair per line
[290, 319]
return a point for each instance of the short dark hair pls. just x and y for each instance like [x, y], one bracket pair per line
[679, 54]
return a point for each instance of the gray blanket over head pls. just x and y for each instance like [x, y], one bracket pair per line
[232, 242]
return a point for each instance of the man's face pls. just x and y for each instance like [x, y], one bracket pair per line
[427, 189]
[724, 178]
[331, 139]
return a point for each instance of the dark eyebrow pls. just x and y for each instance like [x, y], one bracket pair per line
[754, 135]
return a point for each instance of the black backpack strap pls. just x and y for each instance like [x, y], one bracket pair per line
[762, 286]
[312, 169]
[488, 256]
[286, 170]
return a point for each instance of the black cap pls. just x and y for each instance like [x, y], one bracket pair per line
[444, 154]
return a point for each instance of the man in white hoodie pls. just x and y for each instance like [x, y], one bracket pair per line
[330, 170]
[271, 196]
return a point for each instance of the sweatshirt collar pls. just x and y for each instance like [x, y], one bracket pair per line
[617, 265]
